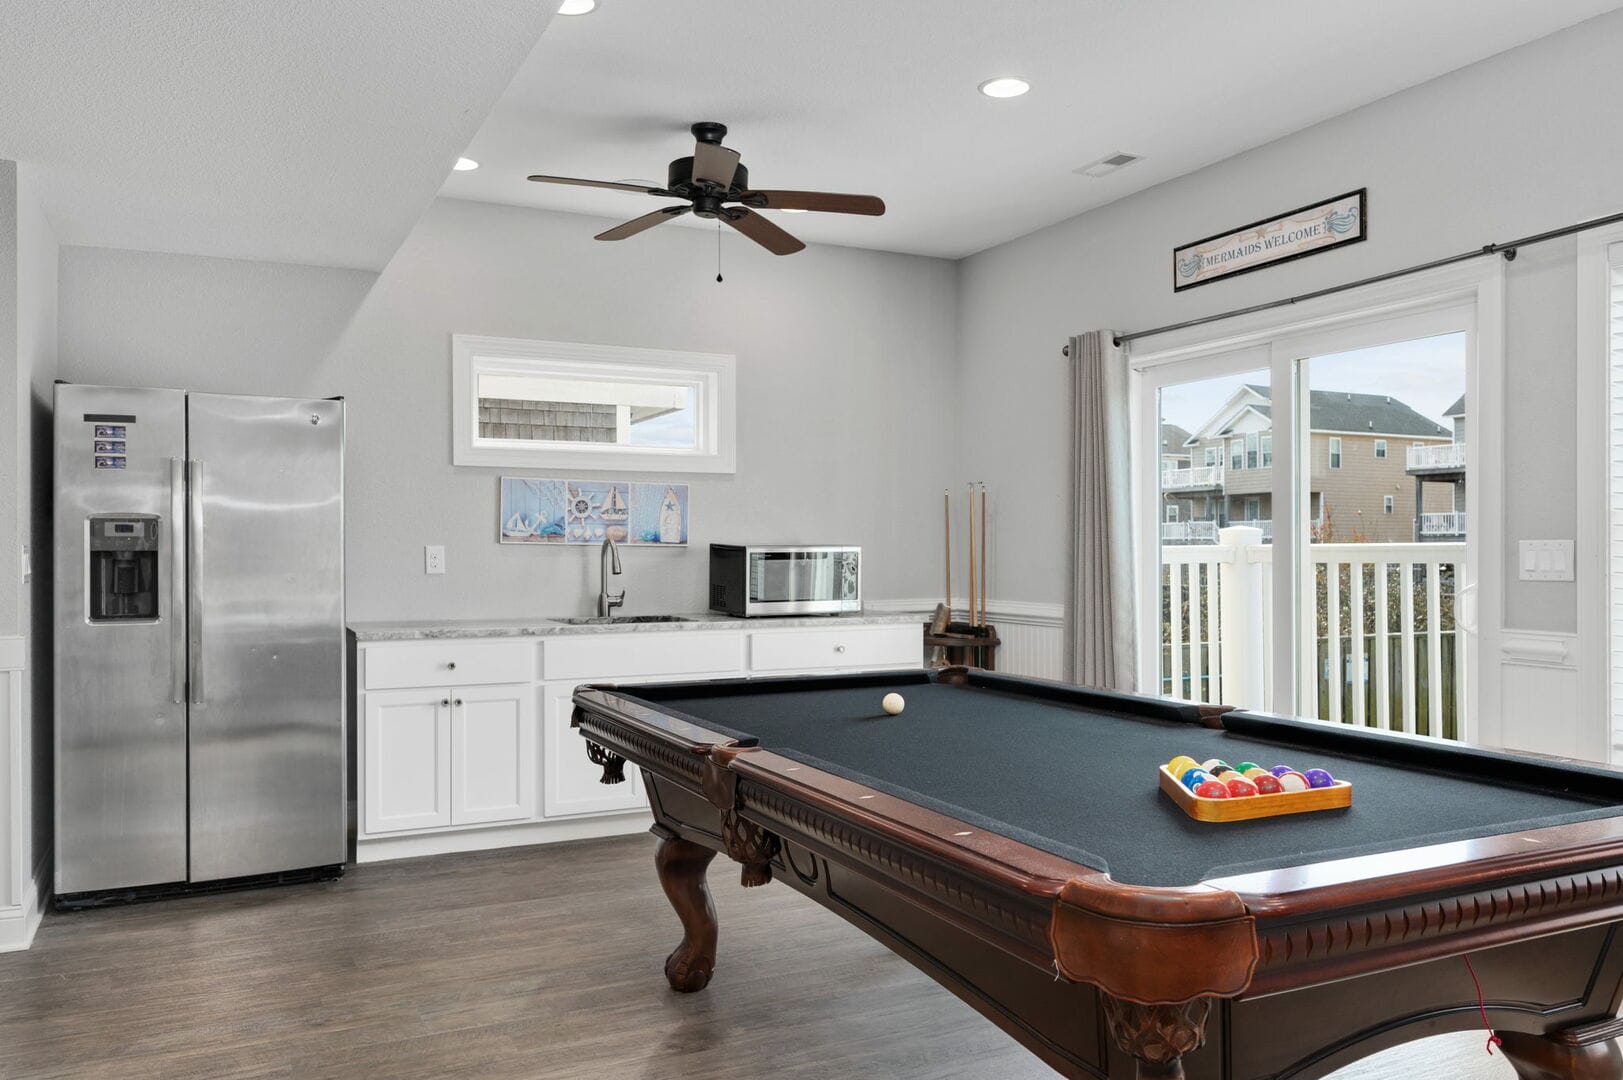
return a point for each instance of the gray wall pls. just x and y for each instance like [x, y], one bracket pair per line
[845, 385]
[1521, 142]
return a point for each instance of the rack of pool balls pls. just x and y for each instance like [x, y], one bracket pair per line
[1214, 790]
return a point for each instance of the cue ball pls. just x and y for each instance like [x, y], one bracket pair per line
[892, 703]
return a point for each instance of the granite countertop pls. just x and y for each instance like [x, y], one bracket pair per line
[440, 629]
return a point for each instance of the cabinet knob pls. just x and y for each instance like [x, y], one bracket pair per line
[445, 701]
[459, 701]
[839, 648]
[451, 666]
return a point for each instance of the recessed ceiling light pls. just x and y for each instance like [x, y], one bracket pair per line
[465, 164]
[1005, 86]
[576, 7]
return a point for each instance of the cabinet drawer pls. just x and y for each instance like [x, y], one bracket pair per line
[849, 647]
[630, 656]
[449, 663]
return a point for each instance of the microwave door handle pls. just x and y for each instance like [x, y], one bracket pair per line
[194, 544]
[177, 580]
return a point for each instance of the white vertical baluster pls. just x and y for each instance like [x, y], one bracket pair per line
[1176, 637]
[1459, 658]
[1332, 600]
[1434, 651]
[1383, 652]
[1406, 629]
[1214, 621]
[1202, 632]
[1355, 582]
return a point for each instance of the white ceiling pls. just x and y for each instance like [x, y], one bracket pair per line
[313, 131]
[879, 97]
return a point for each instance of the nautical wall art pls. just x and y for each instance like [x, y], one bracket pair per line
[545, 511]
[1292, 235]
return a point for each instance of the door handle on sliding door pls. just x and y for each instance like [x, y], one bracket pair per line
[177, 580]
[194, 544]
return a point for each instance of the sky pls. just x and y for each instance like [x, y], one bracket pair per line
[670, 429]
[1428, 375]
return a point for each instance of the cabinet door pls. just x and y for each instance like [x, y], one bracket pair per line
[571, 783]
[492, 754]
[407, 760]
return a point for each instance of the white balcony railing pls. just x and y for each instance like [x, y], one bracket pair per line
[1189, 532]
[1381, 648]
[1205, 476]
[1439, 456]
[1450, 524]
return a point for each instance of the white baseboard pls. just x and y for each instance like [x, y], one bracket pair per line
[19, 924]
[380, 849]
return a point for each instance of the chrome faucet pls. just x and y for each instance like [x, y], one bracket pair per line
[607, 601]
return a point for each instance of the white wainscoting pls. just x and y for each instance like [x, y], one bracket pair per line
[21, 902]
[1538, 684]
[1033, 635]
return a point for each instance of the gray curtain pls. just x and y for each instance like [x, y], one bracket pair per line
[1101, 630]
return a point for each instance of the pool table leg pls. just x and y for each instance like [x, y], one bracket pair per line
[682, 865]
[1578, 1053]
[1157, 1036]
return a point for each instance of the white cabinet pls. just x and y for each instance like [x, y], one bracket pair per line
[572, 784]
[492, 754]
[407, 760]
[852, 648]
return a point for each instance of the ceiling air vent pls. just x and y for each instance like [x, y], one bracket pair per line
[1107, 165]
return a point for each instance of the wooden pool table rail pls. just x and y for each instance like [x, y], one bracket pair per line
[1255, 934]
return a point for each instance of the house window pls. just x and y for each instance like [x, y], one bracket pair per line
[1236, 454]
[1267, 451]
[1335, 452]
[1386, 504]
[1214, 456]
[1253, 509]
[557, 405]
[1172, 511]
[1251, 451]
[1380, 452]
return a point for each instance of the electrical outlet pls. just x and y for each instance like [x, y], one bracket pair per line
[434, 559]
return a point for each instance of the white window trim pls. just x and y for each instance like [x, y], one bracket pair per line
[1334, 452]
[1597, 740]
[1388, 504]
[714, 373]
[1172, 511]
[1479, 283]
[1380, 449]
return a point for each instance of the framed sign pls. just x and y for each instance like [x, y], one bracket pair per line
[1294, 234]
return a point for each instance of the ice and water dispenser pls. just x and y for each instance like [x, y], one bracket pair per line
[123, 568]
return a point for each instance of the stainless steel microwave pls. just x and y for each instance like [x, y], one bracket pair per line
[753, 581]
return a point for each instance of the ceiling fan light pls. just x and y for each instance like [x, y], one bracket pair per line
[576, 7]
[1004, 86]
[465, 164]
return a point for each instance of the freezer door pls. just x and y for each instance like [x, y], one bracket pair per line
[267, 635]
[120, 649]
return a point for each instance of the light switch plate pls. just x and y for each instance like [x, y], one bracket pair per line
[28, 565]
[1546, 560]
[434, 559]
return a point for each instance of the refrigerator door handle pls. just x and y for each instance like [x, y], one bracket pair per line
[177, 580]
[194, 545]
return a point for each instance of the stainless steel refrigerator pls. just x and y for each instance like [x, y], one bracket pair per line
[199, 660]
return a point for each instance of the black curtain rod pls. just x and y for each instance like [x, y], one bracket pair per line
[1507, 249]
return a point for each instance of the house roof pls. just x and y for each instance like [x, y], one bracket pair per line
[1173, 438]
[1456, 409]
[1382, 414]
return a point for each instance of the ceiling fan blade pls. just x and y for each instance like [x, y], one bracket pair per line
[647, 221]
[598, 184]
[826, 201]
[762, 231]
[714, 164]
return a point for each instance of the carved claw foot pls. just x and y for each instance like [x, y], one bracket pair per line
[682, 865]
[1157, 1036]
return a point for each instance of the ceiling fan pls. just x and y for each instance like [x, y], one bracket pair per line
[716, 185]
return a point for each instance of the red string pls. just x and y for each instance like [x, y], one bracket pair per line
[1482, 1007]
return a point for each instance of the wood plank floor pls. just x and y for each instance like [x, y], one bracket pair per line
[523, 964]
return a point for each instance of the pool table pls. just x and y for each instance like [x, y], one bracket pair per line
[1007, 836]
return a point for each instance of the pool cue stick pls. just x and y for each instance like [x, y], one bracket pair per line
[971, 524]
[946, 529]
[985, 551]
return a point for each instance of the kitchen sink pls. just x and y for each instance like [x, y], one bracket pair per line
[606, 620]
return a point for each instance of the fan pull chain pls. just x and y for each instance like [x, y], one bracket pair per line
[718, 251]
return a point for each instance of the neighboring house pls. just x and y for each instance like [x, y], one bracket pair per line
[1360, 445]
[1437, 468]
